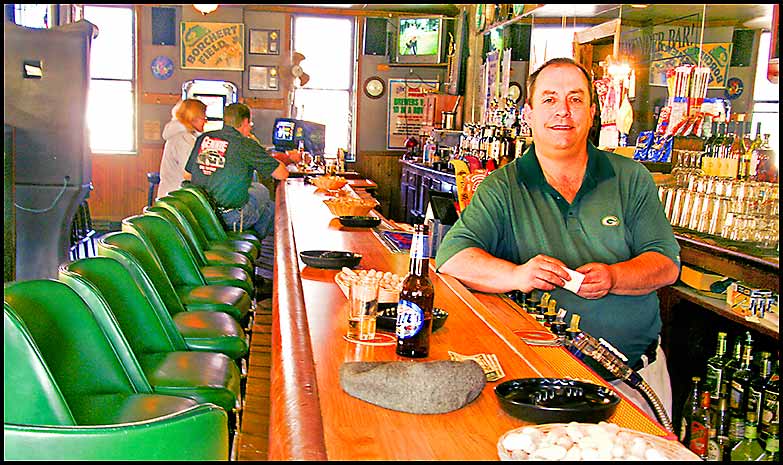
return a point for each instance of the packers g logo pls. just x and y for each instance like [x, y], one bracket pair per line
[610, 220]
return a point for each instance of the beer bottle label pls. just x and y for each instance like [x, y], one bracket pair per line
[699, 437]
[737, 392]
[713, 381]
[410, 319]
[770, 407]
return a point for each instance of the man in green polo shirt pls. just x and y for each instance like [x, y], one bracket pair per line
[566, 204]
[223, 162]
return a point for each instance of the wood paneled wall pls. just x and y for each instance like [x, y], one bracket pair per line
[120, 183]
[384, 168]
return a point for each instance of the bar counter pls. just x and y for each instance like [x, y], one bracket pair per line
[312, 418]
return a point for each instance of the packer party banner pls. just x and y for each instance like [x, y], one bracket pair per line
[406, 109]
[714, 56]
[217, 46]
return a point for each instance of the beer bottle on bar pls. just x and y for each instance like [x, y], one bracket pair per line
[690, 407]
[700, 427]
[715, 365]
[414, 310]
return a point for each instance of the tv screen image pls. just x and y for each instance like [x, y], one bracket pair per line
[419, 36]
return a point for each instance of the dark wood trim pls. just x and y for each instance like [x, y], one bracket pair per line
[152, 98]
[264, 103]
[295, 427]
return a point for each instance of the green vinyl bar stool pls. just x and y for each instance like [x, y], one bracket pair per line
[212, 331]
[68, 396]
[158, 235]
[128, 320]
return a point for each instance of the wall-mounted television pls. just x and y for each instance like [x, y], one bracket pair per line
[421, 40]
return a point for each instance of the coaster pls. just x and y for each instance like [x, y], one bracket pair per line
[381, 339]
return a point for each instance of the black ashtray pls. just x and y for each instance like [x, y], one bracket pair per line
[556, 400]
[330, 259]
[360, 221]
[387, 318]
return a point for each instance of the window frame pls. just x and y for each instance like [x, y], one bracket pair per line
[135, 84]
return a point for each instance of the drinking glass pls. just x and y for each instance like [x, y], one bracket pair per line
[363, 308]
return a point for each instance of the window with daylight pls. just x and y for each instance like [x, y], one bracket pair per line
[329, 58]
[766, 97]
[111, 108]
[37, 15]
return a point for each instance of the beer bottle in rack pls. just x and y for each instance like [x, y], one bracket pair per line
[700, 427]
[414, 310]
[688, 409]
[724, 150]
[753, 153]
[715, 365]
[736, 152]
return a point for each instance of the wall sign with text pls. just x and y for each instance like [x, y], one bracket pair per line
[406, 109]
[219, 46]
[714, 56]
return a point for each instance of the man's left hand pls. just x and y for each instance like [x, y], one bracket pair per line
[598, 280]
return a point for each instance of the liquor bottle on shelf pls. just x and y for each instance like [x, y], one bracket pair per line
[732, 363]
[738, 393]
[743, 170]
[749, 448]
[707, 160]
[757, 141]
[770, 403]
[700, 427]
[756, 386]
[718, 445]
[715, 366]
[724, 151]
[414, 310]
[736, 152]
[772, 446]
[766, 166]
[688, 409]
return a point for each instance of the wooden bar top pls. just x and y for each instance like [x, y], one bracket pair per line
[321, 420]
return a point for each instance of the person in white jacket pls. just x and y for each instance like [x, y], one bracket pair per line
[187, 122]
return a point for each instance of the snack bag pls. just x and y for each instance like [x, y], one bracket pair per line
[643, 144]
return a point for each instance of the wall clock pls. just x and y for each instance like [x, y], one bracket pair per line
[374, 87]
[514, 91]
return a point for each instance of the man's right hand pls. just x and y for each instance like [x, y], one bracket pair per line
[541, 272]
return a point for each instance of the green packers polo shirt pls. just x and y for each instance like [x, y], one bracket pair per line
[616, 215]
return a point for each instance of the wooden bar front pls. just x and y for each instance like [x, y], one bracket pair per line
[312, 418]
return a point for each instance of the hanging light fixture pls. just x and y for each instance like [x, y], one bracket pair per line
[204, 8]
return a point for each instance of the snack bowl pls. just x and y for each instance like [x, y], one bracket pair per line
[350, 206]
[575, 441]
[554, 400]
[328, 182]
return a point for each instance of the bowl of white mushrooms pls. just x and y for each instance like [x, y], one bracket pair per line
[587, 441]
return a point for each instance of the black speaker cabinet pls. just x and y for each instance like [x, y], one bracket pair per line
[742, 48]
[375, 36]
[164, 26]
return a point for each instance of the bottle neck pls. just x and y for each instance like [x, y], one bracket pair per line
[747, 354]
[721, 347]
[419, 259]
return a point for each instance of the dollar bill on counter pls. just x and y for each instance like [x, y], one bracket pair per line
[488, 363]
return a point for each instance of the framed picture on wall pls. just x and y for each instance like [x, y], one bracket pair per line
[264, 42]
[262, 77]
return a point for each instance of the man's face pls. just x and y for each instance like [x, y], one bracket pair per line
[559, 111]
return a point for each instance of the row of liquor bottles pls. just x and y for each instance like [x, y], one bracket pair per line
[734, 414]
[493, 144]
[730, 152]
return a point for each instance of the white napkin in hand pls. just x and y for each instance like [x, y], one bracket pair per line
[575, 282]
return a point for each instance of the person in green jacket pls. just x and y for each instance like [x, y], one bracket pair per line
[562, 205]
